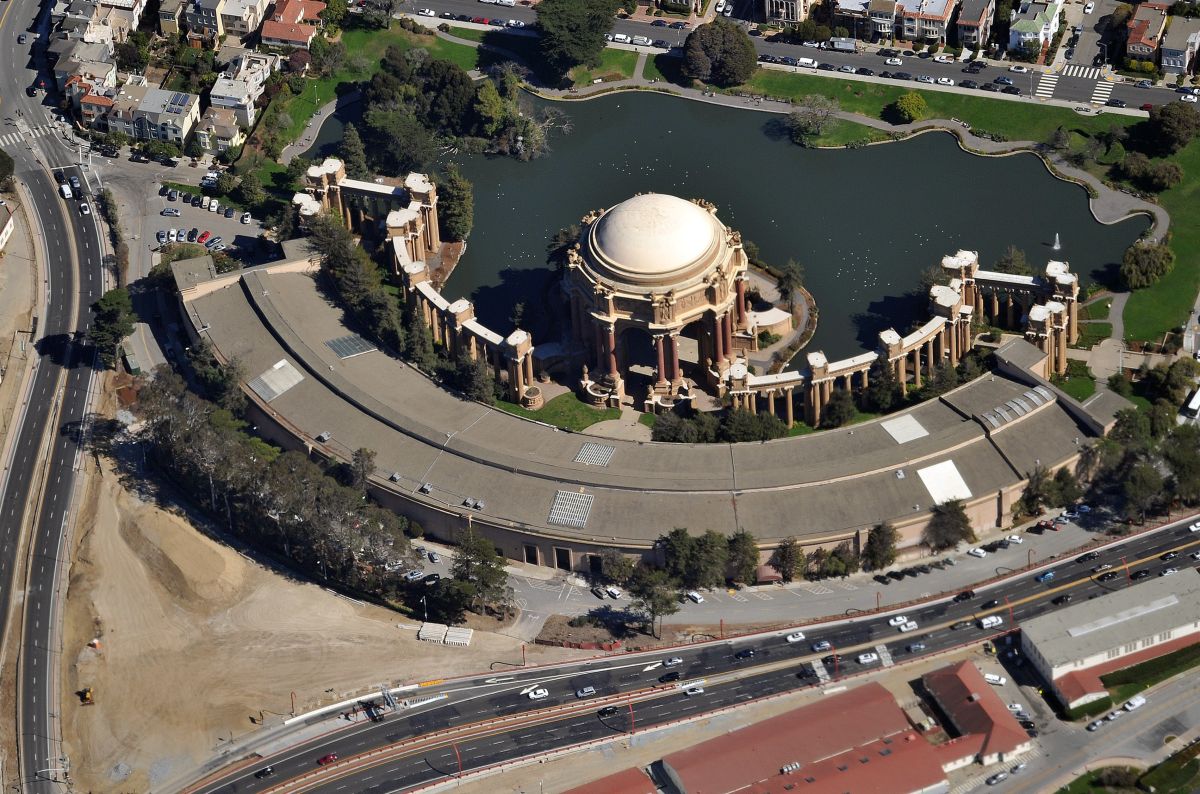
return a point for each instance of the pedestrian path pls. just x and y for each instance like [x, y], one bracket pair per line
[1102, 92]
[1046, 85]
[1090, 72]
[15, 138]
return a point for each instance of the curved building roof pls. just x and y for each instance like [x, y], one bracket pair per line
[653, 239]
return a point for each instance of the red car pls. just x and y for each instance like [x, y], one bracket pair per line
[204, 236]
[327, 759]
[480, 20]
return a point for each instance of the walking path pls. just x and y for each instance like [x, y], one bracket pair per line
[309, 136]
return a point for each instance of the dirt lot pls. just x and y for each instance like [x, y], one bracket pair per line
[195, 640]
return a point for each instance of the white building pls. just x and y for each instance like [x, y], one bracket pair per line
[240, 87]
[1034, 21]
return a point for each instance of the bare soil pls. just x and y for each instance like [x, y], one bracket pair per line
[197, 643]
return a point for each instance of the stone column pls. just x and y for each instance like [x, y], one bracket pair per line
[729, 336]
[612, 350]
[814, 404]
[528, 368]
[1009, 321]
[516, 386]
[1060, 342]
[718, 341]
[929, 358]
[866, 378]
[598, 346]
[788, 399]
[1072, 321]
[676, 373]
[995, 303]
[741, 301]
[954, 334]
[662, 363]
[916, 365]
[902, 374]
[771, 401]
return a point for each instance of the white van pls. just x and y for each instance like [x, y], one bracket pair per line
[642, 41]
[807, 63]
[65, 191]
[991, 622]
[1135, 702]
[507, 3]
[613, 592]
[621, 38]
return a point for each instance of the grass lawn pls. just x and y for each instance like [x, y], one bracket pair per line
[842, 132]
[614, 65]
[648, 420]
[1165, 305]
[1019, 121]
[1079, 382]
[1090, 334]
[565, 411]
[665, 68]
[1123, 684]
[800, 429]
[1177, 775]
[1095, 311]
[1086, 784]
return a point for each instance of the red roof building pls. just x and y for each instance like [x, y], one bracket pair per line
[285, 34]
[988, 730]
[627, 781]
[1145, 30]
[859, 741]
[298, 11]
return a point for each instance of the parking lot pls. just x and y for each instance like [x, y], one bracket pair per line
[240, 239]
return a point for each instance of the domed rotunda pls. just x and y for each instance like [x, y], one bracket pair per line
[645, 273]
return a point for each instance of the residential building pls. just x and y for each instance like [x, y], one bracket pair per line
[786, 12]
[852, 15]
[218, 130]
[1034, 21]
[203, 19]
[286, 34]
[129, 12]
[7, 224]
[926, 21]
[975, 22]
[1179, 46]
[169, 14]
[243, 17]
[167, 115]
[89, 62]
[988, 733]
[1144, 31]
[881, 15]
[298, 12]
[239, 87]
[1072, 647]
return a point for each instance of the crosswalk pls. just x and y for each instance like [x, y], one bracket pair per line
[1046, 85]
[15, 138]
[1090, 72]
[1102, 92]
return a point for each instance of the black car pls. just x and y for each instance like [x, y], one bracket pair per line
[432, 579]
[1116, 103]
[1170, 555]
[991, 604]
[911, 571]
[1108, 576]
[864, 71]
[882, 579]
[659, 23]
[193, 234]
[968, 84]
[908, 53]
[666, 45]
[162, 191]
[667, 678]
[265, 772]
[1028, 725]
[827, 67]
[1065, 598]
[991, 548]
[901, 76]
[1140, 575]
[965, 595]
[924, 568]
[832, 659]
[463, 17]
[994, 87]
[1091, 555]
[1010, 89]
[886, 75]
[1004, 544]
[447, 15]
[679, 25]
[607, 711]
[788, 60]
[497, 23]
[886, 53]
[745, 653]
[197, 201]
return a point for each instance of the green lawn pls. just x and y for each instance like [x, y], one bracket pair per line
[565, 411]
[648, 420]
[614, 65]
[1098, 310]
[665, 68]
[1019, 121]
[1165, 305]
[1177, 775]
[1079, 382]
[842, 132]
[1128, 682]
[1091, 334]
[799, 429]
[1086, 784]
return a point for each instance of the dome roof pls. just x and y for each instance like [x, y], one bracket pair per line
[653, 237]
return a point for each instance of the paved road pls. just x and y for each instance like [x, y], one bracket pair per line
[61, 383]
[776, 666]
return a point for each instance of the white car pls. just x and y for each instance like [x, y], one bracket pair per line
[1089, 8]
[1016, 539]
[693, 691]
[720, 8]
[795, 636]
[980, 553]
[995, 680]
[1115, 715]
[899, 620]
[1194, 527]
[1187, 98]
[943, 59]
[515, 23]
[945, 81]
[172, 235]
[1196, 555]
[426, 12]
[170, 212]
[909, 626]
[1018, 69]
[245, 217]
[1095, 726]
[674, 661]
[586, 692]
[414, 575]
[1015, 707]
[539, 694]
[1168, 571]
[84, 209]
[894, 62]
[868, 658]
[695, 597]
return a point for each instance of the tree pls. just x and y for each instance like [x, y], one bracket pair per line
[1013, 261]
[1154, 175]
[226, 183]
[741, 425]
[490, 111]
[250, 190]
[449, 94]
[948, 526]
[880, 549]
[712, 559]
[945, 378]
[790, 279]
[814, 114]
[743, 557]
[1171, 127]
[720, 53]
[114, 320]
[615, 567]
[1036, 493]
[335, 12]
[456, 205]
[1181, 453]
[400, 143]
[1060, 139]
[419, 342]
[654, 595]
[474, 379]
[1066, 489]
[362, 466]
[883, 391]
[679, 553]
[1142, 488]
[1145, 263]
[477, 564]
[353, 153]
[572, 31]
[6, 169]
[908, 107]
[787, 558]
[838, 410]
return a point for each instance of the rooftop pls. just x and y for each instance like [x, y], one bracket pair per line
[973, 11]
[936, 9]
[627, 781]
[974, 708]
[1098, 625]
[652, 237]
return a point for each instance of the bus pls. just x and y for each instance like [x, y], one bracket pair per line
[1191, 410]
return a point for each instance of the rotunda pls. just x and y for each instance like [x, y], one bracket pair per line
[645, 273]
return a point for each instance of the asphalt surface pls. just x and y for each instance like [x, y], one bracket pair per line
[64, 373]
[776, 666]
[1081, 82]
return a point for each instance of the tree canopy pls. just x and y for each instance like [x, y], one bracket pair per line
[948, 526]
[456, 205]
[1145, 263]
[1171, 126]
[719, 52]
[909, 107]
[114, 320]
[880, 549]
[572, 31]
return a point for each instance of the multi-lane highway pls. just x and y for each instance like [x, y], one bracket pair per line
[39, 484]
[489, 720]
